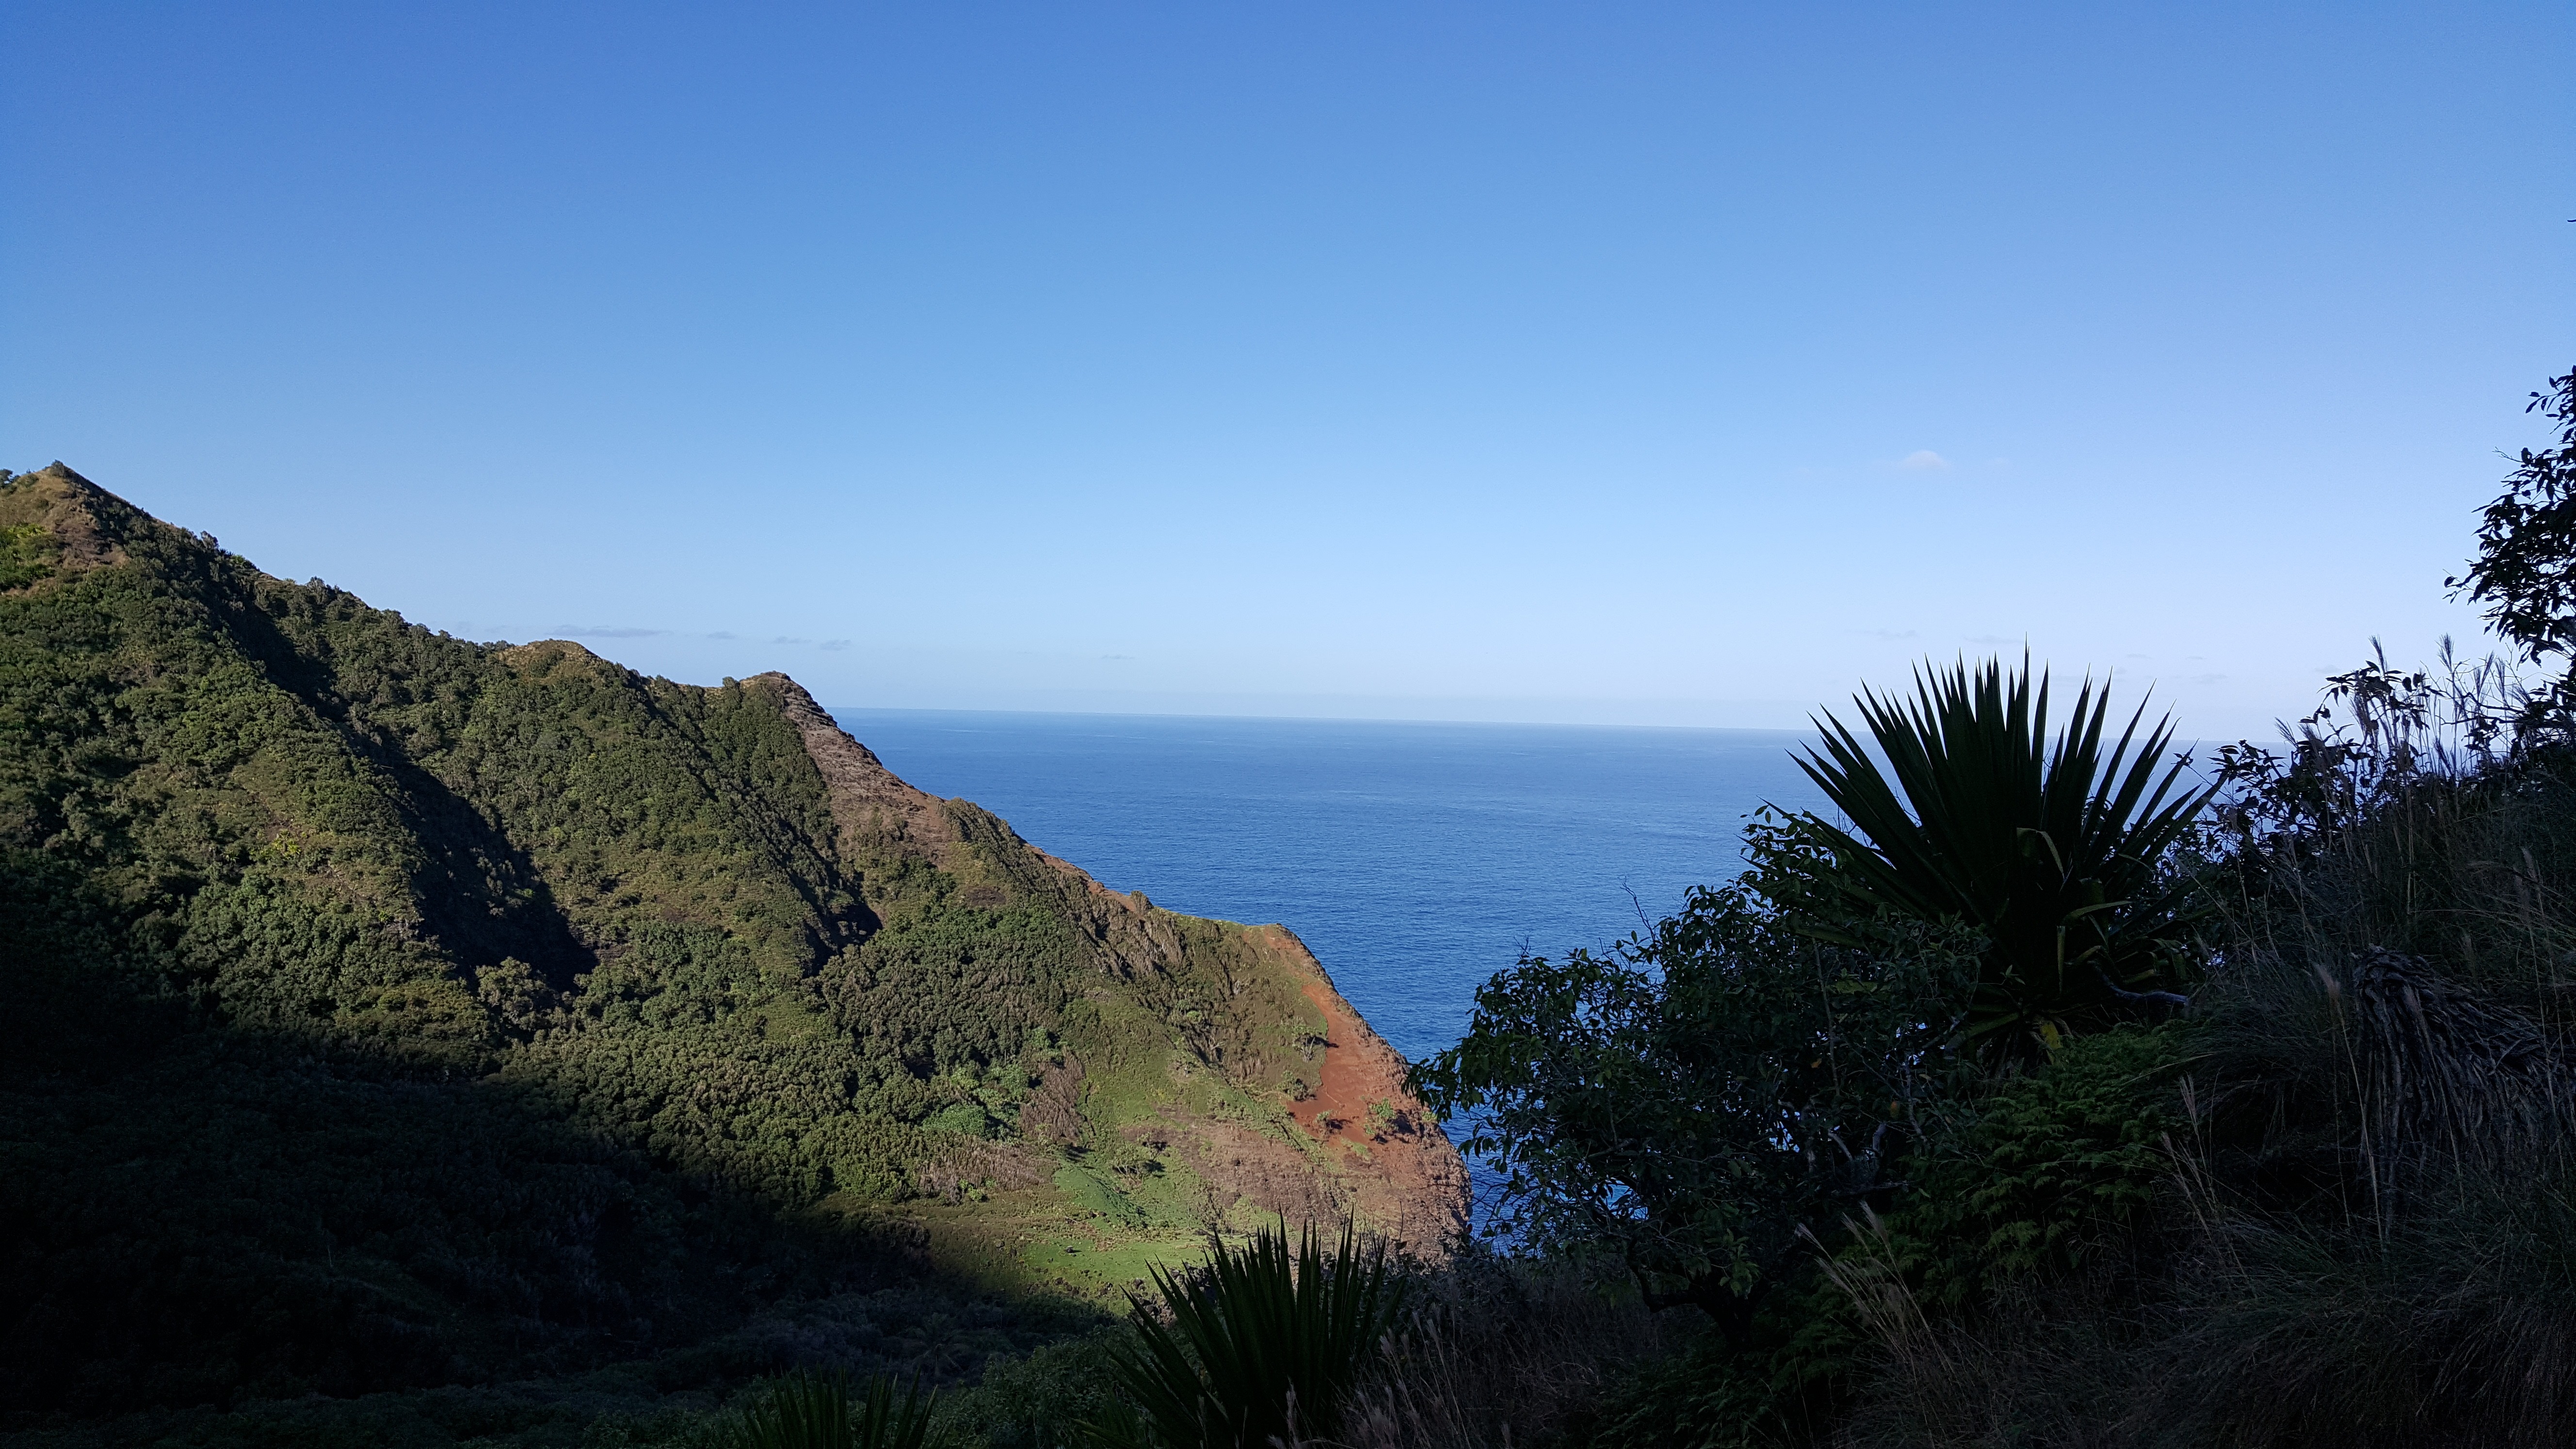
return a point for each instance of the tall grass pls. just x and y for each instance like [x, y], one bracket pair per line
[2453, 1323]
[1495, 1352]
[2407, 814]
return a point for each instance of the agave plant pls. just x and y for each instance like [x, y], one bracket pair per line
[1261, 1345]
[2060, 854]
[807, 1410]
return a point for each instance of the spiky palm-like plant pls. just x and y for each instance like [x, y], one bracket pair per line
[808, 1410]
[1260, 1345]
[2058, 852]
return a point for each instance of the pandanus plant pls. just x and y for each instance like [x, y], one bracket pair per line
[1259, 1346]
[809, 1410]
[2059, 853]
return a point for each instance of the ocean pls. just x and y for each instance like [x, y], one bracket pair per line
[1414, 859]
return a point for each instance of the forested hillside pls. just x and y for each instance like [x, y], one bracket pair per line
[385, 1009]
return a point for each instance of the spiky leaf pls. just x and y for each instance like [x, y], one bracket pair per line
[2055, 848]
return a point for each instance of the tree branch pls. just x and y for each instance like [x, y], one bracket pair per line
[2140, 998]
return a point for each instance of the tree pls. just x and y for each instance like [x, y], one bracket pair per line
[2525, 571]
[1691, 1099]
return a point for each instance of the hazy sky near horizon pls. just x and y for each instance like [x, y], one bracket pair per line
[1679, 364]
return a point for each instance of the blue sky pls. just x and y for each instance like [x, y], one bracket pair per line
[1639, 363]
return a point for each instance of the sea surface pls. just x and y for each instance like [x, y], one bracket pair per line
[1415, 860]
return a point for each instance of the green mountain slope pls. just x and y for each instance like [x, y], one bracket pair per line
[386, 1008]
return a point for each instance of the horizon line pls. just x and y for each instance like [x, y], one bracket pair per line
[836, 710]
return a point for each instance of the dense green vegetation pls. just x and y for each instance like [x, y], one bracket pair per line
[389, 1011]
[1692, 1104]
[2048, 1103]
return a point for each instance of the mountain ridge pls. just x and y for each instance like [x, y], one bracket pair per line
[702, 927]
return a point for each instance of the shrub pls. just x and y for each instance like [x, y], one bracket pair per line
[1040, 1401]
[2052, 1168]
[1686, 1104]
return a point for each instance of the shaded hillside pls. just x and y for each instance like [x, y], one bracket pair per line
[392, 1009]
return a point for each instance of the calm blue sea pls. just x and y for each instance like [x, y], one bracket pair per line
[1415, 859]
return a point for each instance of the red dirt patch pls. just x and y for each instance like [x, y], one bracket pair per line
[1339, 1107]
[1400, 1169]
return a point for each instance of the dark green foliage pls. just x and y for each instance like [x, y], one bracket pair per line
[1691, 1101]
[196, 1213]
[1042, 1400]
[2364, 1236]
[810, 1410]
[388, 1010]
[26, 551]
[1712, 1396]
[325, 823]
[1263, 1345]
[2054, 851]
[2525, 571]
[2049, 1169]
[2454, 1323]
[897, 994]
[2408, 813]
[1501, 1350]
[2331, 1204]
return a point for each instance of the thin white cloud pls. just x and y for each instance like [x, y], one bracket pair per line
[1923, 460]
[623, 631]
